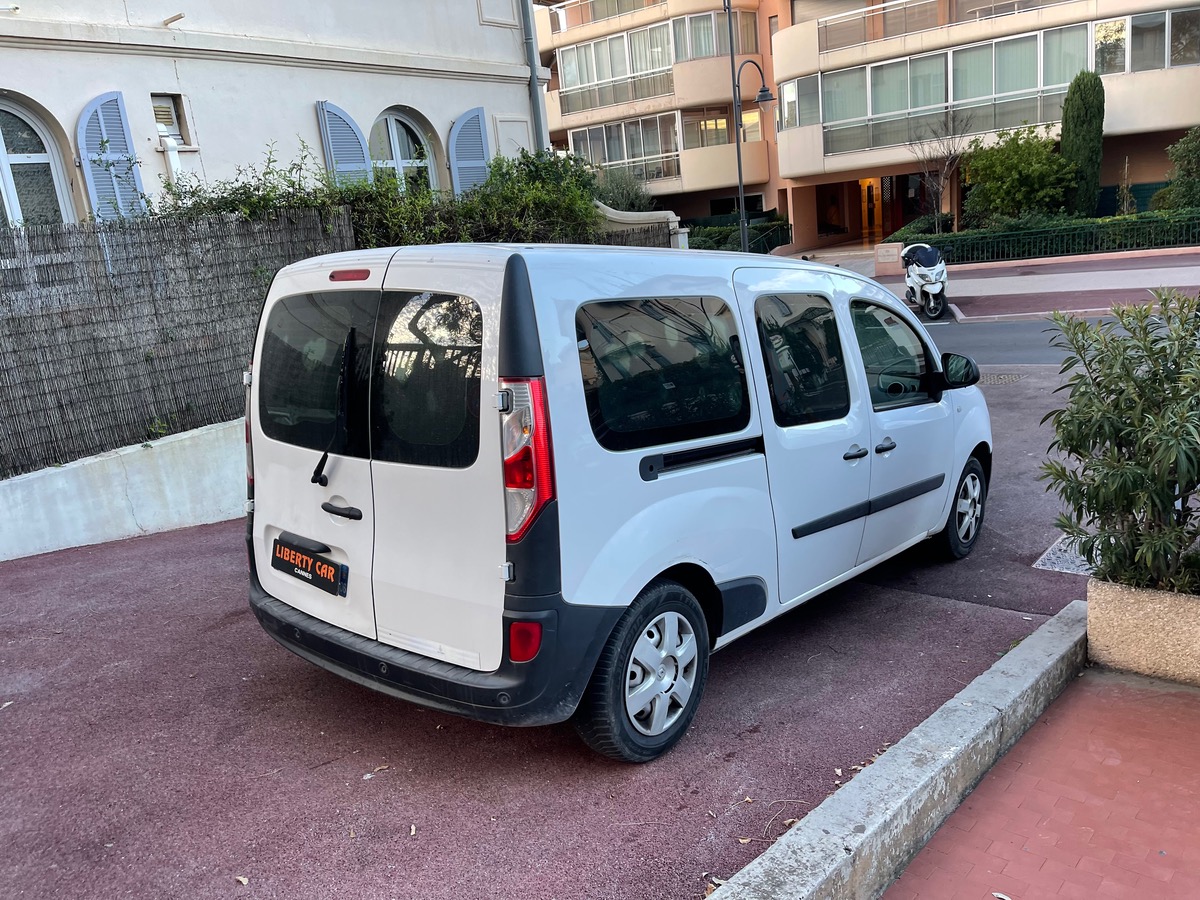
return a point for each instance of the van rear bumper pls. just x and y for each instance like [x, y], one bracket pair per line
[545, 690]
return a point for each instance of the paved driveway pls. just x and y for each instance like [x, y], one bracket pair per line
[155, 742]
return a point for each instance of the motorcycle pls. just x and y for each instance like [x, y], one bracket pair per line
[925, 278]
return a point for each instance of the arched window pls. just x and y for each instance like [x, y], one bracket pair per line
[396, 143]
[33, 186]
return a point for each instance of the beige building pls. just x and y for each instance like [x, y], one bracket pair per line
[430, 89]
[859, 90]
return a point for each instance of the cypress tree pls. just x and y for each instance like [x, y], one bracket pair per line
[1083, 140]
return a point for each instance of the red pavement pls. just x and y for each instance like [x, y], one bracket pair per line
[1100, 799]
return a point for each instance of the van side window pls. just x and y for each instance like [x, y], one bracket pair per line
[425, 386]
[805, 366]
[895, 359]
[660, 370]
[306, 339]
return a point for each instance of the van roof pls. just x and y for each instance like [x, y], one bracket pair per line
[498, 254]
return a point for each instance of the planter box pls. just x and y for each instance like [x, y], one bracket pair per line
[1155, 633]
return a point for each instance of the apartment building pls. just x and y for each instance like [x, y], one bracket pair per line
[861, 91]
[103, 100]
[646, 85]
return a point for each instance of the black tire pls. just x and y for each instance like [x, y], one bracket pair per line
[603, 720]
[964, 524]
[935, 304]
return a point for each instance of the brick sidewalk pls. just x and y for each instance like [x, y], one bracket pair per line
[1100, 799]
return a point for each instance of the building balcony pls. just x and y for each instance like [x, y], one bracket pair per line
[583, 20]
[701, 169]
[833, 43]
[686, 85]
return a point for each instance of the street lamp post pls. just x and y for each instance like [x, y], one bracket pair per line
[764, 96]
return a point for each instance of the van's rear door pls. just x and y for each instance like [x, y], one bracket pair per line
[436, 466]
[313, 540]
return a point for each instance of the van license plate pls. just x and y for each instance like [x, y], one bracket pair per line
[316, 570]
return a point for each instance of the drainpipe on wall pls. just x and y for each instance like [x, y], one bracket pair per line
[536, 99]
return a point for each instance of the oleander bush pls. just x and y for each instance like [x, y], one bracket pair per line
[1126, 451]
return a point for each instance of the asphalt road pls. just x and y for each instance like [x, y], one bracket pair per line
[155, 742]
[1025, 342]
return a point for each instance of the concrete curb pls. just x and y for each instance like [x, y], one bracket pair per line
[858, 841]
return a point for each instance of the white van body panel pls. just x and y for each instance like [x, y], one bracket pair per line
[794, 453]
[285, 498]
[439, 533]
[617, 531]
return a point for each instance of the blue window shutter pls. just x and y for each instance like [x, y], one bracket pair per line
[106, 155]
[346, 153]
[469, 151]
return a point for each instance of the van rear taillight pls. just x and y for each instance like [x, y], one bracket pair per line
[524, 641]
[528, 456]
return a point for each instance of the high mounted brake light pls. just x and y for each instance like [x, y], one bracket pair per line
[527, 453]
[349, 274]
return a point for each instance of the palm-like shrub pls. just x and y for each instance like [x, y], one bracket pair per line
[1127, 442]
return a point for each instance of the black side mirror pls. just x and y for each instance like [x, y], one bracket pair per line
[959, 371]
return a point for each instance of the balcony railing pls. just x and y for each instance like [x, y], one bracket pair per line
[900, 17]
[574, 13]
[651, 168]
[620, 90]
[1033, 108]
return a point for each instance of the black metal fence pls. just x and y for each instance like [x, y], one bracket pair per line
[1097, 236]
[112, 334]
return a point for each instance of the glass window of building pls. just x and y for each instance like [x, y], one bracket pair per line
[844, 95]
[927, 81]
[889, 88]
[396, 143]
[1064, 54]
[972, 72]
[1017, 64]
[1148, 42]
[1185, 37]
[1110, 46]
[33, 186]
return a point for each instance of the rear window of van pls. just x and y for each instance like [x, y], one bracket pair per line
[661, 370]
[425, 389]
[310, 341]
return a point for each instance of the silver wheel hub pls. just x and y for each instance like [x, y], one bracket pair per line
[661, 674]
[969, 508]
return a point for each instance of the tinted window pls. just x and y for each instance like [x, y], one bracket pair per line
[803, 355]
[425, 391]
[308, 339]
[895, 359]
[659, 370]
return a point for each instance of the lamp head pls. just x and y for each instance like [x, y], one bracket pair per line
[764, 95]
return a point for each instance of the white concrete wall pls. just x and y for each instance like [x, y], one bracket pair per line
[185, 479]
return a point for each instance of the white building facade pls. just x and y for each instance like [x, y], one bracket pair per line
[103, 100]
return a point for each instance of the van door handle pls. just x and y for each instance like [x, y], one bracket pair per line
[887, 445]
[346, 512]
[855, 454]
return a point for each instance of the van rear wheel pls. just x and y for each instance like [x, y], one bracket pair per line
[650, 677]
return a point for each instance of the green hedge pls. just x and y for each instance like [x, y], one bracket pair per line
[1068, 237]
[764, 237]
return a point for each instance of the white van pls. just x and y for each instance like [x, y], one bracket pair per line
[530, 483]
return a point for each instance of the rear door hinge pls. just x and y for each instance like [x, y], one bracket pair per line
[247, 378]
[506, 571]
[504, 401]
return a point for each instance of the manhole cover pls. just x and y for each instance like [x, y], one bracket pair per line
[1063, 557]
[999, 378]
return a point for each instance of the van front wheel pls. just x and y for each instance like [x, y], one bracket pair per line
[650, 676]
